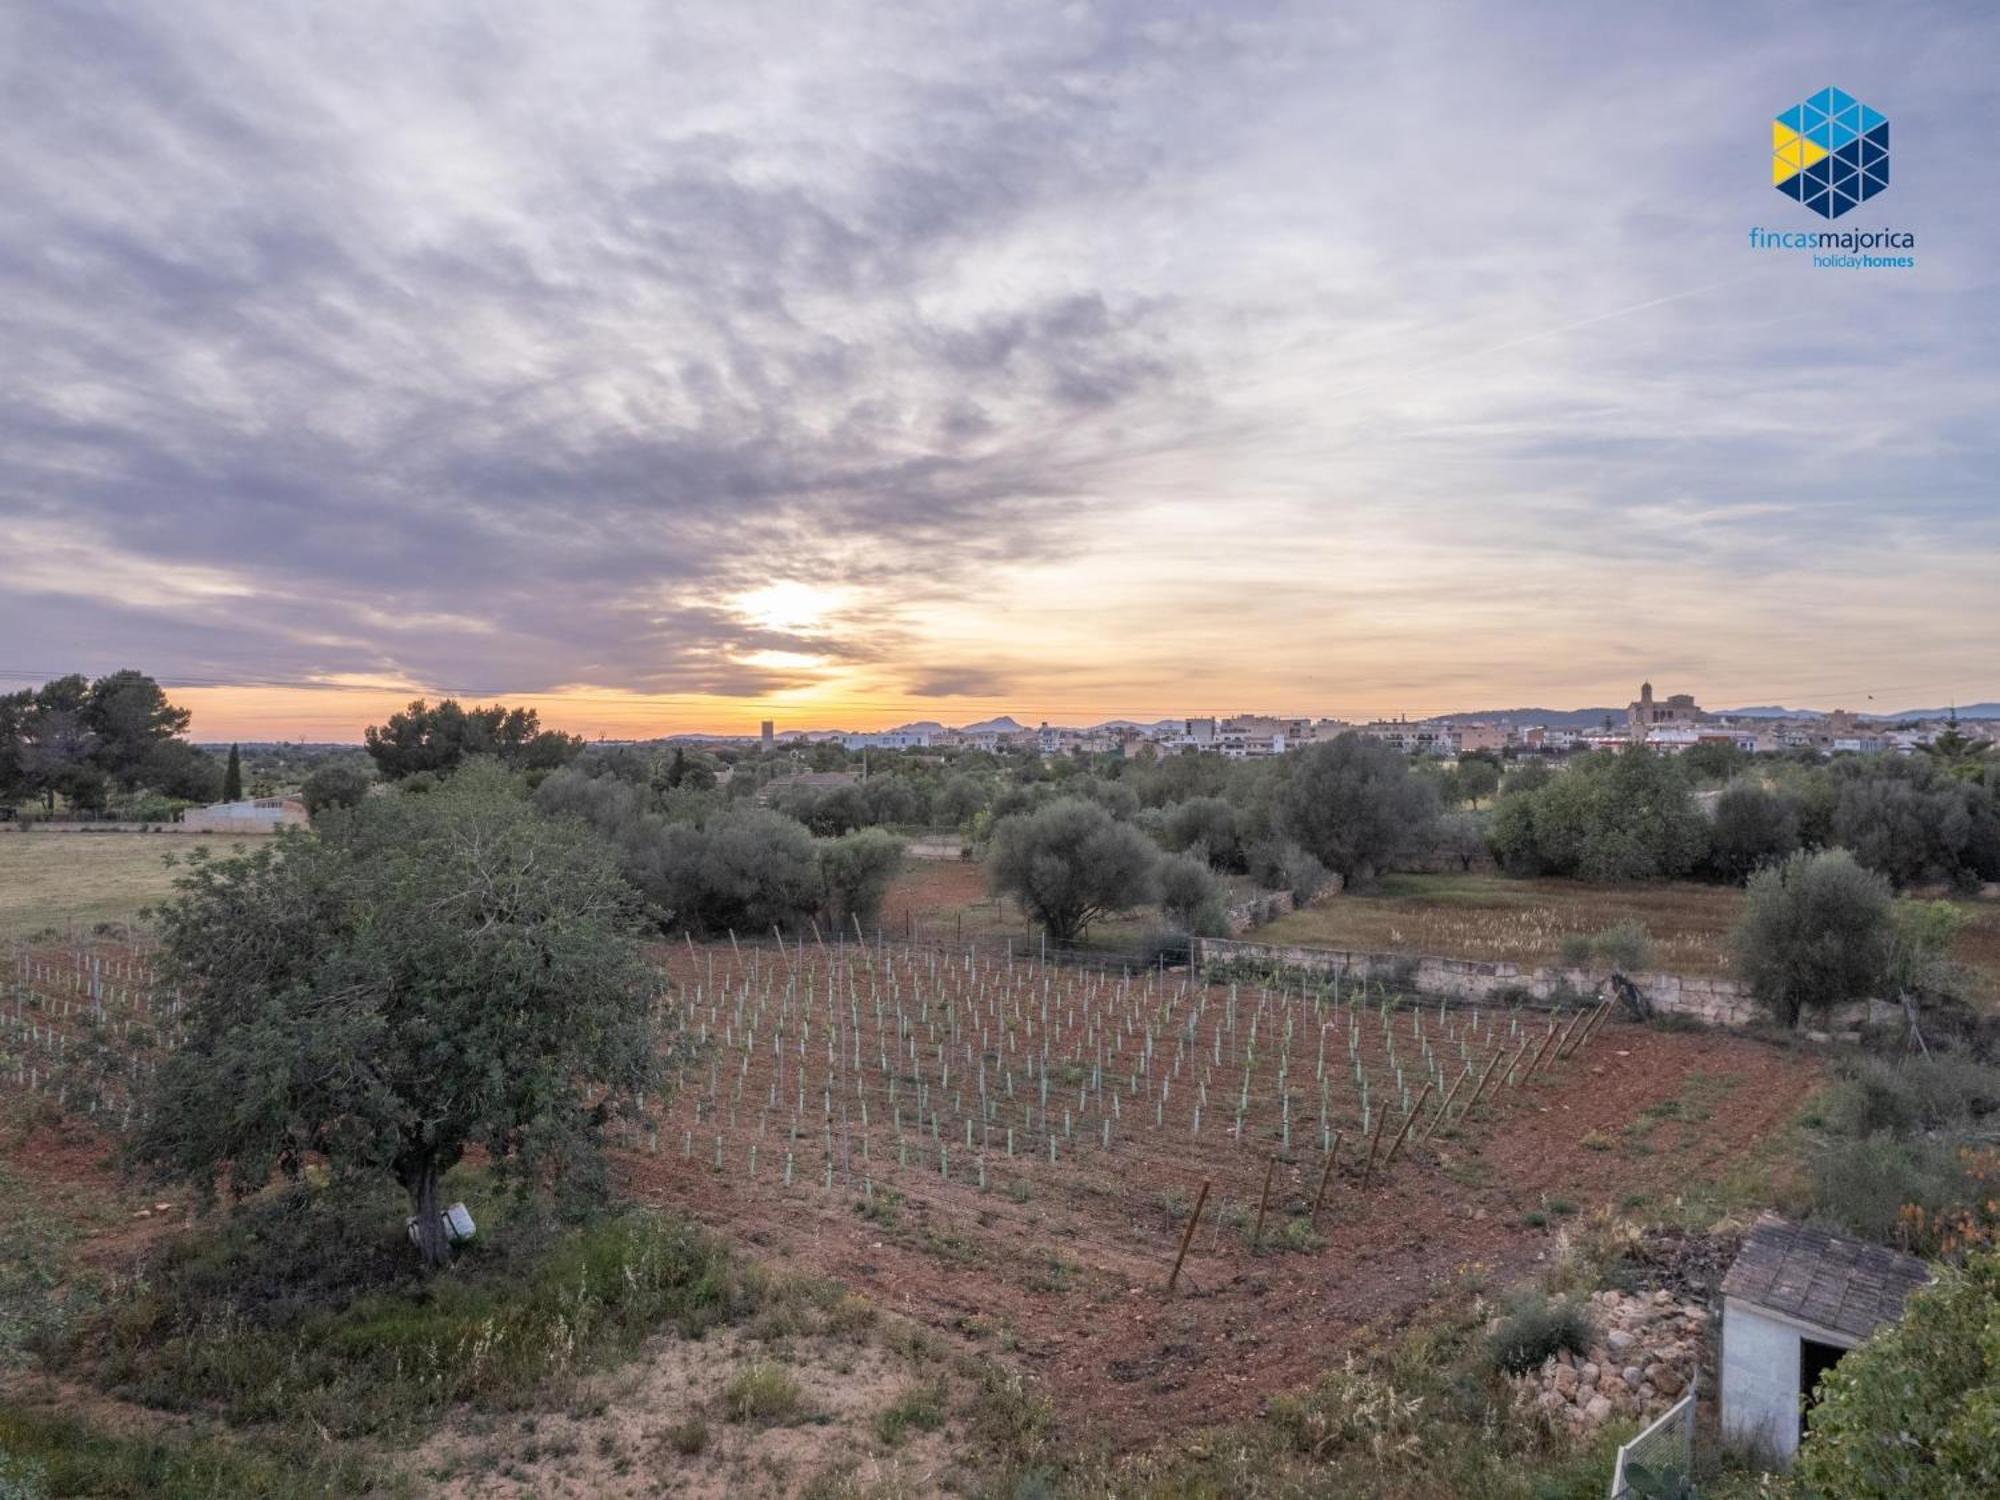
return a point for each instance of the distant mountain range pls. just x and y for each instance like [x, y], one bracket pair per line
[1553, 718]
[1963, 710]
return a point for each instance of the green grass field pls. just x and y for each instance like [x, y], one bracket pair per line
[56, 880]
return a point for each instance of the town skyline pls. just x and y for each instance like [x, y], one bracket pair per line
[224, 713]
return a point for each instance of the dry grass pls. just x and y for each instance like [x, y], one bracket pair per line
[1495, 917]
[56, 880]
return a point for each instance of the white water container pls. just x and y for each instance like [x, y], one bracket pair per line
[457, 1222]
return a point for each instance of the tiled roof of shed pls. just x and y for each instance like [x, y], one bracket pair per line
[1824, 1279]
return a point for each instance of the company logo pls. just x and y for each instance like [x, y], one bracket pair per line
[1830, 152]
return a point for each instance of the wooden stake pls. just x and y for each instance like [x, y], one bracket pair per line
[1589, 1027]
[1473, 1102]
[1562, 1041]
[1507, 1077]
[1374, 1141]
[1415, 1110]
[1187, 1235]
[1540, 1052]
[1333, 1153]
[1257, 1234]
[1445, 1108]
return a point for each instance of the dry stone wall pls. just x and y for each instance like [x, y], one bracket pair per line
[1713, 1001]
[1721, 1002]
[1648, 1348]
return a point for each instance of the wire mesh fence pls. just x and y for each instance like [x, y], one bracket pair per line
[1659, 1462]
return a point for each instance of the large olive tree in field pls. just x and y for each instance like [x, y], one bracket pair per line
[1070, 863]
[1816, 930]
[1354, 805]
[422, 975]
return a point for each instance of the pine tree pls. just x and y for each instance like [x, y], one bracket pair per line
[232, 777]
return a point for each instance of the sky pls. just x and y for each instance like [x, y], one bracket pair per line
[669, 366]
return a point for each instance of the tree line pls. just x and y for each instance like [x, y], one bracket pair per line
[77, 742]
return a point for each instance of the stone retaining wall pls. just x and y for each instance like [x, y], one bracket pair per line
[1716, 1002]
[1722, 1002]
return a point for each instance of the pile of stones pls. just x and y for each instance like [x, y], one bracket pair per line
[1647, 1349]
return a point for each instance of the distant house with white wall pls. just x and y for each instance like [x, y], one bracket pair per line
[1795, 1300]
[261, 815]
[1422, 738]
[888, 739]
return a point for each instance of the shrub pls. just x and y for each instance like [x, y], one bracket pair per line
[857, 869]
[1864, 1186]
[1535, 1328]
[334, 785]
[743, 869]
[50, 1454]
[1913, 1094]
[688, 1438]
[763, 1392]
[1626, 948]
[921, 1407]
[291, 1313]
[1914, 1413]
[1281, 865]
[1191, 896]
[1816, 930]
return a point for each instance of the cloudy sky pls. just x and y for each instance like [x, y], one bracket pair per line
[673, 365]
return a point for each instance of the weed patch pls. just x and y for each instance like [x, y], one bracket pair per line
[287, 1315]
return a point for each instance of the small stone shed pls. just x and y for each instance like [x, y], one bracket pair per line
[1795, 1300]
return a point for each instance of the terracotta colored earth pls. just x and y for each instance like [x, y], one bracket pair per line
[1070, 1277]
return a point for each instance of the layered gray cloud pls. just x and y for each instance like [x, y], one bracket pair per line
[511, 348]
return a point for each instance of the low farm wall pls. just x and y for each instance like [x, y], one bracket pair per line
[1720, 1002]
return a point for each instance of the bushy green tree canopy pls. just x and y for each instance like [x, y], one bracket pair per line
[75, 739]
[1914, 1413]
[1615, 815]
[1816, 930]
[336, 784]
[1191, 896]
[856, 869]
[1753, 825]
[440, 738]
[1070, 863]
[1208, 825]
[1354, 806]
[423, 975]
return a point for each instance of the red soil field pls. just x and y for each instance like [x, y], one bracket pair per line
[1064, 1262]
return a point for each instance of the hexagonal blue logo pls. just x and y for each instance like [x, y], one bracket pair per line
[1830, 152]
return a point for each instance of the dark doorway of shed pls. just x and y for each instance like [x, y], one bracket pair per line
[1815, 1359]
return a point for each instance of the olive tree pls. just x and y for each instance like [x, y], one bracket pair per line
[857, 868]
[1816, 930]
[1192, 897]
[1753, 824]
[1354, 806]
[420, 976]
[1069, 863]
